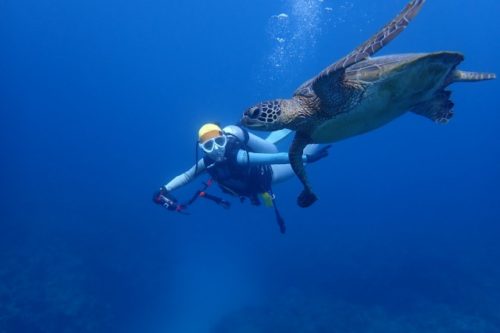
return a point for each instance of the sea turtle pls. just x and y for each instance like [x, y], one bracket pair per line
[358, 94]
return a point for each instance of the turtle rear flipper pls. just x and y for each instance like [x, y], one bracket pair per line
[438, 109]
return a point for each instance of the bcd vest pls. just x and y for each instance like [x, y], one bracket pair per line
[243, 180]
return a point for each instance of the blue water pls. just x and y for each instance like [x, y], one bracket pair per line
[100, 103]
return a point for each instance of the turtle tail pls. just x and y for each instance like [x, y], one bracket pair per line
[462, 76]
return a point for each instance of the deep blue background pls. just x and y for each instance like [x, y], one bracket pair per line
[100, 102]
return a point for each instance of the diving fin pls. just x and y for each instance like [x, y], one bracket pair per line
[279, 219]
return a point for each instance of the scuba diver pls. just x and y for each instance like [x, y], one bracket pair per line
[241, 163]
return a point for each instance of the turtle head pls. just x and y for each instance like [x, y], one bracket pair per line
[265, 116]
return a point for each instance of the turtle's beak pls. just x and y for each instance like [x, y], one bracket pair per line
[248, 118]
[245, 119]
[248, 122]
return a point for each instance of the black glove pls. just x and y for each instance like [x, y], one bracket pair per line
[164, 198]
[319, 154]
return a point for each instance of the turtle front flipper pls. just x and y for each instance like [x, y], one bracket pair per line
[331, 76]
[307, 197]
[383, 37]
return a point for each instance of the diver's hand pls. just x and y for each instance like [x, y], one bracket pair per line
[158, 194]
[164, 198]
[316, 156]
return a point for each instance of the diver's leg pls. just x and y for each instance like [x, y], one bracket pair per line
[279, 135]
[254, 143]
[282, 172]
[312, 148]
[259, 145]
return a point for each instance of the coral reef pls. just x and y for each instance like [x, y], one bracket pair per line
[298, 313]
[46, 290]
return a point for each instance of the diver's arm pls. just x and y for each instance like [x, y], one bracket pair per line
[186, 177]
[243, 158]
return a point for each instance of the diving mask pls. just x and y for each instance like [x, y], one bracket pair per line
[215, 147]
